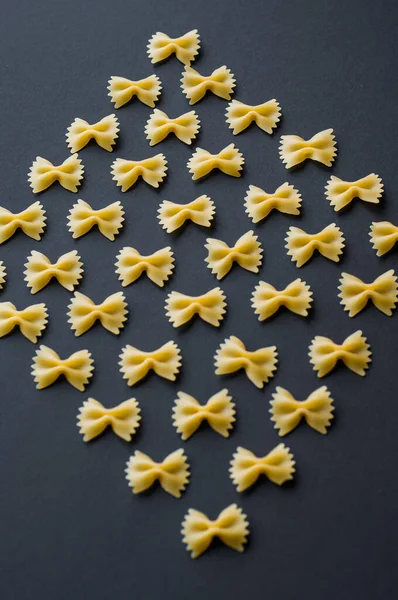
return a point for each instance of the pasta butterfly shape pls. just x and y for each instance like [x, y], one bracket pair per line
[111, 313]
[246, 467]
[355, 293]
[383, 236]
[220, 82]
[122, 90]
[94, 418]
[43, 173]
[188, 414]
[172, 473]
[48, 366]
[321, 148]
[200, 211]
[231, 527]
[31, 221]
[341, 193]
[3, 274]
[301, 245]
[186, 47]
[246, 253]
[164, 361]
[82, 218]
[105, 133]
[31, 321]
[39, 270]
[316, 410]
[157, 266]
[210, 307]
[286, 199]
[259, 365]
[267, 300]
[353, 352]
[240, 116]
[126, 172]
[159, 126]
[229, 161]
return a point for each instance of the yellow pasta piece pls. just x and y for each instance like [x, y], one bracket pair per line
[172, 473]
[301, 245]
[353, 352]
[383, 236]
[246, 253]
[3, 274]
[219, 412]
[82, 218]
[316, 410]
[229, 161]
[39, 270]
[122, 90]
[126, 172]
[341, 193]
[260, 365]
[31, 321]
[220, 82]
[48, 366]
[164, 361]
[111, 313]
[31, 221]
[231, 527]
[105, 133]
[210, 307]
[321, 147]
[185, 47]
[355, 293]
[265, 116]
[246, 467]
[93, 418]
[159, 126]
[157, 266]
[200, 211]
[286, 199]
[267, 300]
[43, 173]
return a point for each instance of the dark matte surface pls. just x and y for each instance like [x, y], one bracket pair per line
[71, 529]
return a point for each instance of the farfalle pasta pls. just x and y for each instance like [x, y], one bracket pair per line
[31, 320]
[67, 270]
[3, 274]
[355, 293]
[218, 412]
[354, 352]
[157, 266]
[172, 473]
[301, 245]
[111, 313]
[200, 211]
[267, 300]
[31, 221]
[240, 116]
[48, 366]
[152, 170]
[259, 365]
[286, 199]
[220, 82]
[229, 161]
[104, 133]
[43, 173]
[246, 467]
[93, 418]
[246, 252]
[122, 90]
[210, 307]
[294, 150]
[159, 126]
[82, 218]
[383, 236]
[185, 47]
[135, 364]
[316, 410]
[341, 193]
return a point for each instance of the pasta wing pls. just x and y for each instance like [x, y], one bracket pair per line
[294, 150]
[122, 90]
[3, 274]
[39, 270]
[200, 211]
[353, 352]
[210, 307]
[31, 321]
[301, 245]
[172, 473]
[383, 236]
[164, 361]
[111, 313]
[157, 266]
[240, 116]
[341, 193]
[220, 82]
[286, 199]
[48, 366]
[246, 253]
[43, 173]
[82, 218]
[152, 170]
[355, 293]
[159, 126]
[124, 419]
[188, 414]
[229, 161]
[246, 467]
[287, 412]
[31, 221]
[185, 47]
[104, 133]
[267, 300]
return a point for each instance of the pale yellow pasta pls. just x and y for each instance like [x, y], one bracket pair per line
[135, 364]
[126, 172]
[210, 307]
[172, 473]
[316, 410]
[31, 221]
[246, 252]
[301, 245]
[111, 313]
[185, 47]
[200, 211]
[355, 293]
[286, 199]
[267, 300]
[159, 126]
[265, 116]
[246, 467]
[229, 161]
[124, 419]
[48, 366]
[231, 527]
[157, 266]
[67, 270]
[220, 82]
[341, 193]
[3, 274]
[321, 148]
[259, 365]
[354, 352]
[31, 320]
[82, 218]
[43, 174]
[122, 90]
[383, 236]
[105, 133]
[218, 412]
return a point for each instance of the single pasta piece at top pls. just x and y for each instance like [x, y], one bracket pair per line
[185, 47]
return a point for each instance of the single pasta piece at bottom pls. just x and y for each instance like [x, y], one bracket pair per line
[94, 418]
[246, 467]
[355, 293]
[353, 352]
[172, 473]
[316, 410]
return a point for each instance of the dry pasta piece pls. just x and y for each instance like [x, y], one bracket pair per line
[321, 148]
[246, 253]
[219, 412]
[229, 160]
[301, 245]
[122, 90]
[210, 307]
[267, 300]
[152, 170]
[159, 126]
[124, 419]
[157, 266]
[265, 116]
[43, 174]
[260, 365]
[383, 236]
[200, 211]
[31, 320]
[82, 218]
[48, 366]
[231, 527]
[3, 274]
[220, 82]
[111, 313]
[355, 293]
[172, 473]
[164, 361]
[354, 352]
[341, 193]
[39, 270]
[316, 410]
[246, 467]
[105, 133]
[185, 47]
[31, 221]
[286, 199]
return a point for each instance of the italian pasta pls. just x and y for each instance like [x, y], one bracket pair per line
[286, 199]
[267, 300]
[210, 307]
[294, 150]
[220, 82]
[188, 414]
[104, 133]
[31, 320]
[126, 172]
[341, 193]
[383, 236]
[354, 352]
[67, 270]
[172, 473]
[122, 90]
[157, 266]
[31, 221]
[82, 218]
[355, 293]
[185, 47]
[316, 410]
[48, 366]
[93, 418]
[240, 116]
[3, 274]
[135, 364]
[229, 161]
[43, 174]
[159, 126]
[246, 467]
[246, 253]
[111, 313]
[301, 245]
[200, 211]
